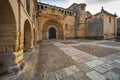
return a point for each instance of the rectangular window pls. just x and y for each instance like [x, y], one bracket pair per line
[109, 19]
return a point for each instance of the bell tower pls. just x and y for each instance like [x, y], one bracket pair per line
[80, 20]
[80, 11]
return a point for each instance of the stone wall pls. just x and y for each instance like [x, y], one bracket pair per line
[118, 26]
[94, 28]
[110, 26]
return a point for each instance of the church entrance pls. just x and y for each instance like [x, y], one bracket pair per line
[52, 33]
[52, 29]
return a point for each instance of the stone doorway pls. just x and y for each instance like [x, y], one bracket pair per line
[52, 33]
[27, 36]
[52, 29]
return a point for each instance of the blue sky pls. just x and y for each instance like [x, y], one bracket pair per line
[93, 6]
[54, 2]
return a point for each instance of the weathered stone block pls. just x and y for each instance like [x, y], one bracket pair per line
[18, 59]
[2, 49]
[8, 40]
[16, 48]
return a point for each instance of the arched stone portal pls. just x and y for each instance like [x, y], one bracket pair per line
[7, 24]
[52, 33]
[8, 34]
[27, 36]
[54, 26]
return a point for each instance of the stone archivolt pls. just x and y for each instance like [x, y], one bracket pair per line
[55, 24]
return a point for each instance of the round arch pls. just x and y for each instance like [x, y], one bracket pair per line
[52, 23]
[27, 35]
[8, 31]
[7, 24]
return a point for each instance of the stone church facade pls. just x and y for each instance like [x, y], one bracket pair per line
[61, 23]
[102, 25]
[24, 22]
[75, 22]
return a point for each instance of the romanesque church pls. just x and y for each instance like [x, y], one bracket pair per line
[25, 22]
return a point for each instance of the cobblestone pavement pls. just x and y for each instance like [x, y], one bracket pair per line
[56, 60]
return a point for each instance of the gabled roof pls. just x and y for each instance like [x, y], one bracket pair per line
[106, 12]
[88, 14]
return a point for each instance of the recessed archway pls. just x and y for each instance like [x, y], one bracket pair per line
[52, 33]
[27, 36]
[7, 24]
[54, 28]
[8, 32]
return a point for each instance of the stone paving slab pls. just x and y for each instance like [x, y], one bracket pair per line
[111, 44]
[96, 50]
[107, 66]
[65, 72]
[98, 62]
[77, 55]
[118, 61]
[81, 76]
[91, 64]
[101, 69]
[116, 71]
[115, 64]
[102, 65]
[69, 78]
[96, 76]
[50, 76]
[105, 46]
[84, 68]
[111, 75]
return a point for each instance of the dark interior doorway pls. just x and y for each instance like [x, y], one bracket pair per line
[52, 33]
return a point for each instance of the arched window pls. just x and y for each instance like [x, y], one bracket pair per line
[41, 7]
[45, 6]
[62, 11]
[82, 8]
[28, 6]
